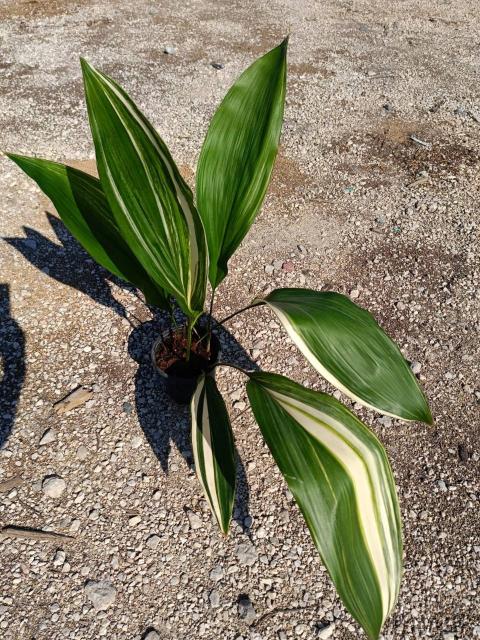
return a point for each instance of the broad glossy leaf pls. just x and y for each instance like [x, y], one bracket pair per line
[345, 344]
[340, 477]
[237, 157]
[81, 204]
[152, 204]
[213, 449]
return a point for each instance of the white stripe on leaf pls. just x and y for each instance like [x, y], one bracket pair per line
[213, 449]
[360, 464]
[188, 279]
[340, 476]
[312, 358]
[187, 213]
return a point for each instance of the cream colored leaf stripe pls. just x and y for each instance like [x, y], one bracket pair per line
[312, 358]
[202, 449]
[376, 507]
[182, 201]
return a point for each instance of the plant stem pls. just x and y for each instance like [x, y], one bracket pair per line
[232, 315]
[209, 321]
[189, 339]
[172, 317]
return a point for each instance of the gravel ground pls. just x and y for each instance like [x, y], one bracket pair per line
[356, 205]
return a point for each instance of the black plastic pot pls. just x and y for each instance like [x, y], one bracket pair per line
[182, 381]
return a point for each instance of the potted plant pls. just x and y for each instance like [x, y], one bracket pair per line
[139, 221]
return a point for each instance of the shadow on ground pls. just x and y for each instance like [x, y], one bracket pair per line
[163, 420]
[68, 263]
[12, 354]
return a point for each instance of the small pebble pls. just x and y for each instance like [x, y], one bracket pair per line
[127, 407]
[247, 554]
[170, 50]
[134, 520]
[137, 442]
[195, 521]
[386, 421]
[214, 598]
[153, 541]
[59, 558]
[237, 394]
[416, 367]
[48, 437]
[216, 574]
[246, 610]
[75, 526]
[326, 632]
[82, 452]
[53, 486]
[441, 485]
[101, 594]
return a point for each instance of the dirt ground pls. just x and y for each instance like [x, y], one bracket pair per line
[375, 194]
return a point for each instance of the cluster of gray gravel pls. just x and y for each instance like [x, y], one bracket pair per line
[375, 194]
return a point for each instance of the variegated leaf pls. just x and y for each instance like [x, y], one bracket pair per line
[213, 449]
[151, 203]
[340, 477]
[82, 206]
[345, 344]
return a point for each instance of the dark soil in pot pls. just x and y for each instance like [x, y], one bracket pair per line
[169, 358]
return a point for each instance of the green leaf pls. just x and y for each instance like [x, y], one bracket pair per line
[213, 449]
[237, 157]
[151, 203]
[345, 344]
[81, 204]
[340, 477]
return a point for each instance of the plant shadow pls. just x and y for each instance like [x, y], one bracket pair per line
[69, 263]
[163, 420]
[12, 354]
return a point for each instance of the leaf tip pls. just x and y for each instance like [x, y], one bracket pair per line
[87, 68]
[14, 157]
[428, 418]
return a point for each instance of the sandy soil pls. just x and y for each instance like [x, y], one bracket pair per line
[364, 77]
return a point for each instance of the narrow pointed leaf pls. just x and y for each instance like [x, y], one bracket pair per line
[346, 345]
[151, 203]
[238, 155]
[80, 202]
[340, 477]
[213, 449]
